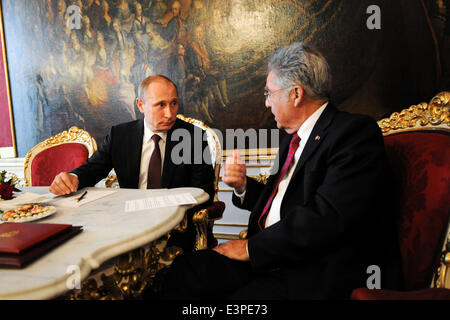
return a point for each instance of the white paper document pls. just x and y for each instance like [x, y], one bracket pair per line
[159, 202]
[72, 201]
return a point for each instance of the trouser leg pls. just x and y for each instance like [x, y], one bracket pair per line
[204, 274]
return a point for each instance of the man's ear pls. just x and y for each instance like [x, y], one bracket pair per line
[140, 105]
[298, 95]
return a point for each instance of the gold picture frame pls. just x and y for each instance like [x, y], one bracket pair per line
[8, 147]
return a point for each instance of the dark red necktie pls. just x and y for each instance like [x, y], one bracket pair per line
[295, 141]
[154, 166]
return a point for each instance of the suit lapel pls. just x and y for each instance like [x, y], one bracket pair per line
[281, 157]
[264, 197]
[317, 136]
[134, 151]
[168, 166]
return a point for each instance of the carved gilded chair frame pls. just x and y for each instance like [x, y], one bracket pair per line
[434, 116]
[423, 116]
[73, 135]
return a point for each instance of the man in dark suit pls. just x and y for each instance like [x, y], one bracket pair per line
[323, 217]
[143, 152]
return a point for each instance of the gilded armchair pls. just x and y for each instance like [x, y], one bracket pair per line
[62, 152]
[417, 142]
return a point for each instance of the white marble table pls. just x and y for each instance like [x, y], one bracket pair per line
[108, 231]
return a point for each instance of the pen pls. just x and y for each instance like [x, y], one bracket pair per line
[82, 196]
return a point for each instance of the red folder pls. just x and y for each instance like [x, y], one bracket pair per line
[22, 243]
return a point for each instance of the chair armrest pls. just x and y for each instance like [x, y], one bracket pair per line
[215, 211]
[203, 219]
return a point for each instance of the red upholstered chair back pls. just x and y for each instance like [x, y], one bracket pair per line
[62, 152]
[48, 163]
[421, 166]
[417, 143]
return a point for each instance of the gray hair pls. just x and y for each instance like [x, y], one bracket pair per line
[302, 64]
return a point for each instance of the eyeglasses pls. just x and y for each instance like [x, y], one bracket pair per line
[268, 94]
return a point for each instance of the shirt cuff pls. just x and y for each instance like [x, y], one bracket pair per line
[240, 195]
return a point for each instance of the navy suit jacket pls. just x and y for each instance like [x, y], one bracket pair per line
[335, 215]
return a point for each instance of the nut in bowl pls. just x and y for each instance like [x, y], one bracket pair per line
[27, 213]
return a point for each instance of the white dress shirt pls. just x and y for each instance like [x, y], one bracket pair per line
[147, 149]
[303, 132]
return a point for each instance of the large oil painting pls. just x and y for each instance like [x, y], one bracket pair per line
[79, 62]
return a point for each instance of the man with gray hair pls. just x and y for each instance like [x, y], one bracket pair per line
[321, 220]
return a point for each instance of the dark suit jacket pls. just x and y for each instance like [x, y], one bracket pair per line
[335, 219]
[121, 149]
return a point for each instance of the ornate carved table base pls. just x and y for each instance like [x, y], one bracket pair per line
[128, 275]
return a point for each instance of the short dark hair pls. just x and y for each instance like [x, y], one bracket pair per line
[149, 80]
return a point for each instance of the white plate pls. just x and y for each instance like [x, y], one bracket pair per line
[35, 217]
